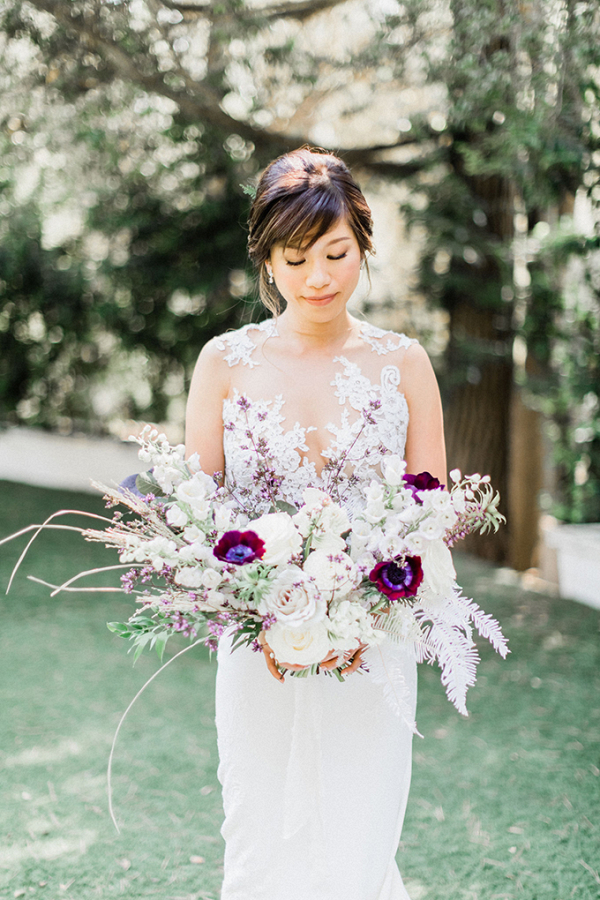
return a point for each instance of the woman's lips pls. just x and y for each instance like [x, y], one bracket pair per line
[326, 298]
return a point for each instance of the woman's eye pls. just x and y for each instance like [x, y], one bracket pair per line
[297, 263]
[339, 257]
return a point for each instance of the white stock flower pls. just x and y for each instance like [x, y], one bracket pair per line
[167, 477]
[211, 578]
[365, 563]
[293, 598]
[439, 574]
[437, 500]
[224, 518]
[176, 516]
[391, 546]
[374, 492]
[190, 577]
[192, 533]
[280, 535]
[459, 501]
[375, 511]
[415, 543]
[303, 646]
[158, 551]
[431, 528]
[333, 572]
[351, 624]
[393, 469]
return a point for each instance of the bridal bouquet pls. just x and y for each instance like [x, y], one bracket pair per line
[310, 580]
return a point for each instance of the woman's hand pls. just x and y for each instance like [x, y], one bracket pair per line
[352, 659]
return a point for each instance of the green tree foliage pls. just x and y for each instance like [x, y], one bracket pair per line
[162, 111]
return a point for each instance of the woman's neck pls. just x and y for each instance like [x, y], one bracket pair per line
[306, 335]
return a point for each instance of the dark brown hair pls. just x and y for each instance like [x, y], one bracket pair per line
[300, 196]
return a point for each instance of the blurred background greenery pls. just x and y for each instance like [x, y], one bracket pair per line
[132, 131]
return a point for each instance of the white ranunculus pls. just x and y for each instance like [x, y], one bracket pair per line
[393, 469]
[439, 574]
[333, 572]
[176, 516]
[294, 598]
[302, 646]
[280, 535]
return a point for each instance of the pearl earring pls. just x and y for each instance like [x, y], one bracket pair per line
[270, 276]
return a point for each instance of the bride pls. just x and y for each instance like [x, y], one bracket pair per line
[315, 773]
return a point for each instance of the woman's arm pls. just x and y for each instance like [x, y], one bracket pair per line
[425, 447]
[204, 414]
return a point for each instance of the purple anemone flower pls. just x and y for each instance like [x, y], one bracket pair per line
[424, 481]
[398, 578]
[240, 547]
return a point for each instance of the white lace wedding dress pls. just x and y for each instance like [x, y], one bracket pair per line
[315, 773]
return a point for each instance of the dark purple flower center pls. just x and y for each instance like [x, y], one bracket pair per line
[239, 547]
[398, 578]
[241, 553]
[395, 576]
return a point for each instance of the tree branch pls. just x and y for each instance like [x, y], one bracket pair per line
[201, 103]
[301, 10]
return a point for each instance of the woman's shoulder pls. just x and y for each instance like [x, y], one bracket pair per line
[383, 341]
[238, 346]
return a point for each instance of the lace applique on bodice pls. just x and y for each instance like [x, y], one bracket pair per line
[372, 424]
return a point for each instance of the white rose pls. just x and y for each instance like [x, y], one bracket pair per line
[294, 598]
[332, 572]
[439, 574]
[299, 646]
[280, 535]
[176, 516]
[393, 469]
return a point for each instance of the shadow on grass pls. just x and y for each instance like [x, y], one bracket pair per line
[504, 804]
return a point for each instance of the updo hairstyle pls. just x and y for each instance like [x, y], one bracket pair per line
[299, 197]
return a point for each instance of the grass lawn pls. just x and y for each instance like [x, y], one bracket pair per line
[504, 804]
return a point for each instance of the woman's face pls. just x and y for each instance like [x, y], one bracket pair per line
[318, 281]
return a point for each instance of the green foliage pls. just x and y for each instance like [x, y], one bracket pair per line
[562, 328]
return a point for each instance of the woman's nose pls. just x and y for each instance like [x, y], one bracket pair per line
[317, 275]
